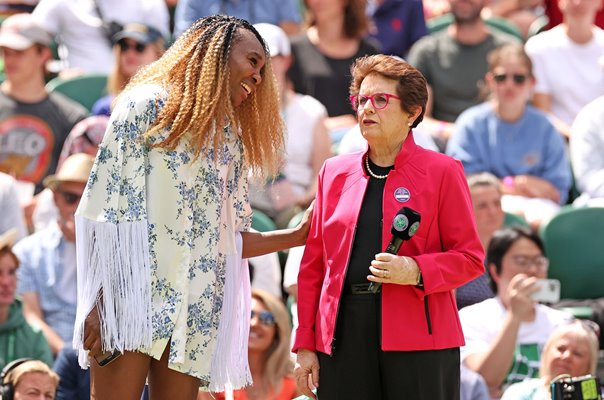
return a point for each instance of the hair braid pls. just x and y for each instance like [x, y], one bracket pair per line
[194, 71]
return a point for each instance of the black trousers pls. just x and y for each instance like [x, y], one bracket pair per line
[359, 369]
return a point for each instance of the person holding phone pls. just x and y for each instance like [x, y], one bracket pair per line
[505, 334]
[163, 226]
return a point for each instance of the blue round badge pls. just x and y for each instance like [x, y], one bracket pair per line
[402, 195]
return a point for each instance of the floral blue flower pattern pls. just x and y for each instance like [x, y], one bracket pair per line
[193, 207]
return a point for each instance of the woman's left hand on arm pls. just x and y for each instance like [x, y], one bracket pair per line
[390, 268]
[304, 225]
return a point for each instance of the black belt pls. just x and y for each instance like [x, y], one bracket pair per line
[360, 289]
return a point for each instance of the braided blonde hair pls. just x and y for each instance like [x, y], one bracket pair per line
[195, 73]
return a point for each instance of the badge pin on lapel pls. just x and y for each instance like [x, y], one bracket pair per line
[402, 195]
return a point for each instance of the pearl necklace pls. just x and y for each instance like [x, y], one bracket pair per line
[376, 176]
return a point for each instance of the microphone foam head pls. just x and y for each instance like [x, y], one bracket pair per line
[405, 223]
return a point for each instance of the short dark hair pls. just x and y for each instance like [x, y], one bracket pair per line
[411, 85]
[502, 241]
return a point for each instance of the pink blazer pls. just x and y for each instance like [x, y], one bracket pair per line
[446, 247]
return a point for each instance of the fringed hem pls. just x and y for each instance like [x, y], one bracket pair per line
[229, 362]
[113, 260]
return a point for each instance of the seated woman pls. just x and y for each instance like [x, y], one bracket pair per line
[324, 53]
[572, 349]
[28, 378]
[268, 351]
[514, 141]
[135, 46]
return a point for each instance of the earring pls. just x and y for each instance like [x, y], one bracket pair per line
[410, 123]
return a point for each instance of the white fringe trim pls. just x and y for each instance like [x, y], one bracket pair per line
[114, 260]
[230, 368]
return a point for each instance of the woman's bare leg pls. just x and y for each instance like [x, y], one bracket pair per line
[124, 378]
[167, 384]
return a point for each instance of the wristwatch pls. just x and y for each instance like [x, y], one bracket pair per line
[420, 279]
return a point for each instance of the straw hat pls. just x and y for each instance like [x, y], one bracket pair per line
[8, 238]
[75, 168]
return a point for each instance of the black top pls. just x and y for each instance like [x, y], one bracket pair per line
[368, 237]
[324, 78]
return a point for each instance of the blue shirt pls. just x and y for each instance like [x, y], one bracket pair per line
[531, 146]
[399, 24]
[254, 11]
[102, 106]
[41, 258]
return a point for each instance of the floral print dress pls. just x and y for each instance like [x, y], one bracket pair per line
[157, 237]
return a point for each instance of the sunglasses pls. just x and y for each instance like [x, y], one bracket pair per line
[518, 79]
[267, 318]
[70, 198]
[379, 100]
[125, 46]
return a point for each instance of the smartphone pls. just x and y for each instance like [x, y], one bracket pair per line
[107, 357]
[549, 291]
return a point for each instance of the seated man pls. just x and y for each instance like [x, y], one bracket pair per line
[17, 338]
[28, 379]
[47, 279]
[486, 195]
[459, 51]
[505, 334]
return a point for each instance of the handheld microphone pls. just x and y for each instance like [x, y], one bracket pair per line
[404, 225]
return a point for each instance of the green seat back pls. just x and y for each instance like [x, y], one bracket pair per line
[442, 21]
[85, 89]
[262, 222]
[574, 240]
[513, 220]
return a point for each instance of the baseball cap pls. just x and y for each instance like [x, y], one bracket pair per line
[75, 168]
[275, 38]
[20, 31]
[141, 33]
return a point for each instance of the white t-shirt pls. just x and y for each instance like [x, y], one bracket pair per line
[482, 322]
[302, 114]
[78, 25]
[12, 215]
[572, 74]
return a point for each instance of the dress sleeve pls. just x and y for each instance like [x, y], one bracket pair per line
[112, 234]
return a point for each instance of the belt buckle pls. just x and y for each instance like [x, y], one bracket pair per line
[362, 288]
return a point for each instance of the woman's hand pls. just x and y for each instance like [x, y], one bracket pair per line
[520, 291]
[92, 333]
[306, 372]
[534, 187]
[389, 268]
[304, 226]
